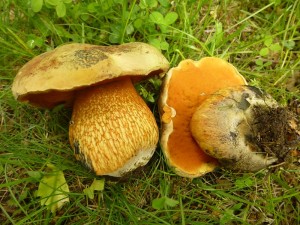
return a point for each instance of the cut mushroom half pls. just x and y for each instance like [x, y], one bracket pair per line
[185, 88]
[244, 128]
[112, 130]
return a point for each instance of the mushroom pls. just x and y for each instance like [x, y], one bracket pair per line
[244, 128]
[185, 88]
[112, 130]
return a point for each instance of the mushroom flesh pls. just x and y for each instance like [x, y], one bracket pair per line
[185, 88]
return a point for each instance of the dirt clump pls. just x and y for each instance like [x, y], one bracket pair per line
[275, 131]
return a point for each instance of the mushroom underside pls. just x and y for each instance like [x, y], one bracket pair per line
[184, 89]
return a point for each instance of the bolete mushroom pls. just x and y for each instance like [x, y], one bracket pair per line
[112, 130]
[244, 128]
[185, 88]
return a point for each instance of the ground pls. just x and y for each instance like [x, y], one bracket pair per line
[260, 38]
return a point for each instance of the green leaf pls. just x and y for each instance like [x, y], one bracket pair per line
[97, 185]
[67, 1]
[150, 98]
[245, 181]
[151, 3]
[148, 4]
[155, 42]
[52, 2]
[219, 34]
[156, 83]
[118, 1]
[34, 41]
[60, 9]
[114, 38]
[116, 35]
[259, 62]
[63, 32]
[171, 17]
[156, 17]
[138, 23]
[276, 2]
[268, 40]
[89, 193]
[171, 202]
[226, 217]
[264, 51]
[30, 43]
[147, 96]
[53, 189]
[164, 45]
[160, 203]
[36, 5]
[165, 3]
[237, 206]
[129, 29]
[269, 63]
[275, 47]
[159, 44]
[143, 4]
[229, 214]
[290, 44]
[37, 175]
[163, 28]
[92, 7]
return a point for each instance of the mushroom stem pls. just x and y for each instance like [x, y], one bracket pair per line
[112, 130]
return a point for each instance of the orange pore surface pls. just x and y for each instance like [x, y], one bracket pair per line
[191, 83]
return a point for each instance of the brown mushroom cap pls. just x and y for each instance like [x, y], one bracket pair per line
[185, 88]
[51, 78]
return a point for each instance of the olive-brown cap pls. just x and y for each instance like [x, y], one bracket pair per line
[51, 78]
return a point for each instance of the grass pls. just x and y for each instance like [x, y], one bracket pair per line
[245, 33]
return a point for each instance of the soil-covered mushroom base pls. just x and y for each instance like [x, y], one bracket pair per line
[244, 128]
[274, 131]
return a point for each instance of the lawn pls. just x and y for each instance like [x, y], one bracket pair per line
[260, 38]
